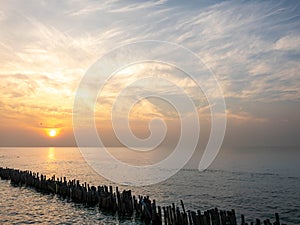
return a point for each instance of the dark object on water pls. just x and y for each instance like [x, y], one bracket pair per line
[123, 203]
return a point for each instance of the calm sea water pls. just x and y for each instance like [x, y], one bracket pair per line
[256, 182]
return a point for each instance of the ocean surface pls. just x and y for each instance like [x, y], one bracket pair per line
[256, 182]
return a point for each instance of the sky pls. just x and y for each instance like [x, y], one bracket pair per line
[251, 47]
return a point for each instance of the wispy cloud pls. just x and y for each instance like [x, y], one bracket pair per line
[288, 43]
[46, 47]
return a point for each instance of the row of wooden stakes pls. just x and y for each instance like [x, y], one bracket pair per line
[124, 203]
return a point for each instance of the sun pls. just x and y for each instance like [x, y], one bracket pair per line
[52, 133]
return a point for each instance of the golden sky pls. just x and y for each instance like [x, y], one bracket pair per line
[46, 48]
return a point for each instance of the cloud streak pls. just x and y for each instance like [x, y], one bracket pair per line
[45, 49]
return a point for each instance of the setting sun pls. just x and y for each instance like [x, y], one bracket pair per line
[52, 132]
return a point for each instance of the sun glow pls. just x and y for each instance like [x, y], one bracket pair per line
[52, 132]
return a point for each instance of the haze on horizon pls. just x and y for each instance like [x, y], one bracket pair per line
[253, 48]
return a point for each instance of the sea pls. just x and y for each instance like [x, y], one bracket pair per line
[256, 182]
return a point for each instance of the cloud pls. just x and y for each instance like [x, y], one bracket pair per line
[18, 85]
[29, 99]
[238, 41]
[245, 117]
[289, 42]
[46, 48]
[114, 7]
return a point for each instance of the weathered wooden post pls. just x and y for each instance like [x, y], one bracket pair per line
[277, 222]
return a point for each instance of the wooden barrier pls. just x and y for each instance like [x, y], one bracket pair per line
[124, 203]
